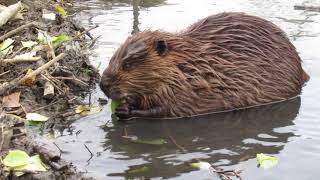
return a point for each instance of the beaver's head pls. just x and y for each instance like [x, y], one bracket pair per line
[142, 70]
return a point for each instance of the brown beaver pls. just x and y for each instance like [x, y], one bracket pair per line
[222, 62]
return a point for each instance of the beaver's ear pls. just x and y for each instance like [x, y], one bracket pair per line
[161, 47]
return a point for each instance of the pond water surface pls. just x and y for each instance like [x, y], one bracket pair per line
[289, 130]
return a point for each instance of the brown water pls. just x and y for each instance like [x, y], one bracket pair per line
[289, 131]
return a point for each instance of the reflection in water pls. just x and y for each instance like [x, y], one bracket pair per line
[225, 138]
[142, 3]
[135, 5]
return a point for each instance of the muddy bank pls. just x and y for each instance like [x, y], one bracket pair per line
[54, 92]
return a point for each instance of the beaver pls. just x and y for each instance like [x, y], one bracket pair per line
[223, 62]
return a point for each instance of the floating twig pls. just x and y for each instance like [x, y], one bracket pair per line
[125, 132]
[60, 150]
[175, 143]
[81, 29]
[91, 154]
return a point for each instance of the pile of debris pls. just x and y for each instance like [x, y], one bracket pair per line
[44, 68]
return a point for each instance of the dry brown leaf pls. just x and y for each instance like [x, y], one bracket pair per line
[12, 100]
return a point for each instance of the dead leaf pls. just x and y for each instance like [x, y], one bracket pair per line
[12, 100]
[85, 110]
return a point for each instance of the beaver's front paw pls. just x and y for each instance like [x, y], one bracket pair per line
[123, 112]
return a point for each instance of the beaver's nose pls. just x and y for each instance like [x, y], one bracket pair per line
[105, 83]
[104, 86]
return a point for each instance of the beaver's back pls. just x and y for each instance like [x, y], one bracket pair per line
[253, 58]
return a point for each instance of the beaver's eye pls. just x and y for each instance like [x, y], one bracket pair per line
[125, 66]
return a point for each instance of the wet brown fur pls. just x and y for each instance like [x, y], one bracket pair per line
[222, 62]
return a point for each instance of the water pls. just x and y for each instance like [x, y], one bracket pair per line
[289, 131]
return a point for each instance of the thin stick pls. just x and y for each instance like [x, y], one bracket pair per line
[79, 35]
[17, 52]
[60, 150]
[15, 31]
[71, 78]
[53, 83]
[91, 154]
[125, 132]
[43, 107]
[16, 60]
[175, 143]
[42, 68]
[5, 87]
[2, 137]
[24, 110]
[51, 49]
[5, 73]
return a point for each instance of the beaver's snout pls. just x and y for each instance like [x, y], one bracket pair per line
[106, 83]
[104, 86]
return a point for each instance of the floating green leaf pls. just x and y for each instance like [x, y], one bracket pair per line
[201, 165]
[60, 39]
[16, 158]
[139, 170]
[28, 44]
[116, 103]
[60, 9]
[266, 161]
[36, 117]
